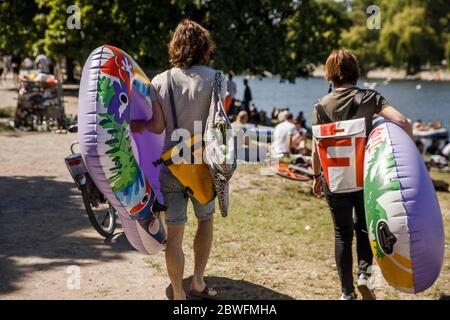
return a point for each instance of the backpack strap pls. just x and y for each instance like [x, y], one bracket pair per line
[356, 103]
[321, 112]
[174, 118]
[172, 100]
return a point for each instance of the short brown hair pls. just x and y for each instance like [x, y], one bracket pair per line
[342, 67]
[191, 45]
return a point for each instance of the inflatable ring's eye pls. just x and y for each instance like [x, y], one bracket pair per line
[123, 98]
[140, 206]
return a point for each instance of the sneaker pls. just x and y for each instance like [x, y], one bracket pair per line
[351, 296]
[366, 292]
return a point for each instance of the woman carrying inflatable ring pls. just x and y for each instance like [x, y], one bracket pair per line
[342, 120]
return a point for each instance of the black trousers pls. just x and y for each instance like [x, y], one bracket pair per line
[345, 225]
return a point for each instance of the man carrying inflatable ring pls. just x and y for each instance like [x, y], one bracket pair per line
[182, 96]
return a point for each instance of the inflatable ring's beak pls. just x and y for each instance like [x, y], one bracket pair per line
[386, 238]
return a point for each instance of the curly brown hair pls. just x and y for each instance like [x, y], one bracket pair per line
[191, 45]
[342, 67]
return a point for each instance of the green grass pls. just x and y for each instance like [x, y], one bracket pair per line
[278, 236]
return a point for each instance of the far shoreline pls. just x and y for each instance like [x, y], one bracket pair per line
[390, 74]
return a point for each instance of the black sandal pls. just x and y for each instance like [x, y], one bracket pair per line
[206, 294]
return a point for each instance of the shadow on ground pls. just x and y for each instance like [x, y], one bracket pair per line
[44, 221]
[230, 289]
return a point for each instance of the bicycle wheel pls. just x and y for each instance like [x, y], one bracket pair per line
[100, 212]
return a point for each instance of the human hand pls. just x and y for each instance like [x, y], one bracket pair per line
[138, 126]
[317, 187]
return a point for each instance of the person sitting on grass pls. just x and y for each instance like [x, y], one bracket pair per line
[239, 128]
[300, 139]
[283, 137]
[434, 149]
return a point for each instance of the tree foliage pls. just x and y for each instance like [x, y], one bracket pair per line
[17, 31]
[280, 36]
[413, 33]
[409, 39]
[310, 40]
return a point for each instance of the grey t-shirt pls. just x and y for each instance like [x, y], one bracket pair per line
[192, 89]
[337, 105]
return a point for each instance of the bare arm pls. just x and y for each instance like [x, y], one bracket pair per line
[395, 116]
[315, 158]
[317, 187]
[156, 124]
[292, 143]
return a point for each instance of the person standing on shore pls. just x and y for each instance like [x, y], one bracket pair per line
[231, 87]
[301, 118]
[342, 70]
[43, 63]
[28, 64]
[179, 105]
[247, 97]
[16, 62]
[7, 66]
[2, 69]
[232, 90]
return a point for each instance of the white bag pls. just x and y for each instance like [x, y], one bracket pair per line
[219, 145]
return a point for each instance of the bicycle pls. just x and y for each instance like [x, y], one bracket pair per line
[101, 213]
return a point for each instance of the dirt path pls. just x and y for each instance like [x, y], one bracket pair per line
[44, 230]
[8, 94]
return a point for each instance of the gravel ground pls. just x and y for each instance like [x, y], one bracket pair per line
[44, 230]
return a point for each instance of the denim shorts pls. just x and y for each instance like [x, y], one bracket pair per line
[176, 200]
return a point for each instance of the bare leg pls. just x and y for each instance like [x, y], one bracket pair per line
[175, 259]
[202, 247]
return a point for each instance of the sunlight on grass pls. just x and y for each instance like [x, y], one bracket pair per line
[279, 236]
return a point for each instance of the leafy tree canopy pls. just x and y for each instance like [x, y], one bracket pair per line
[413, 33]
[280, 36]
[284, 37]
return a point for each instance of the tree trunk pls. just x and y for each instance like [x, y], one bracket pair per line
[70, 70]
[413, 65]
